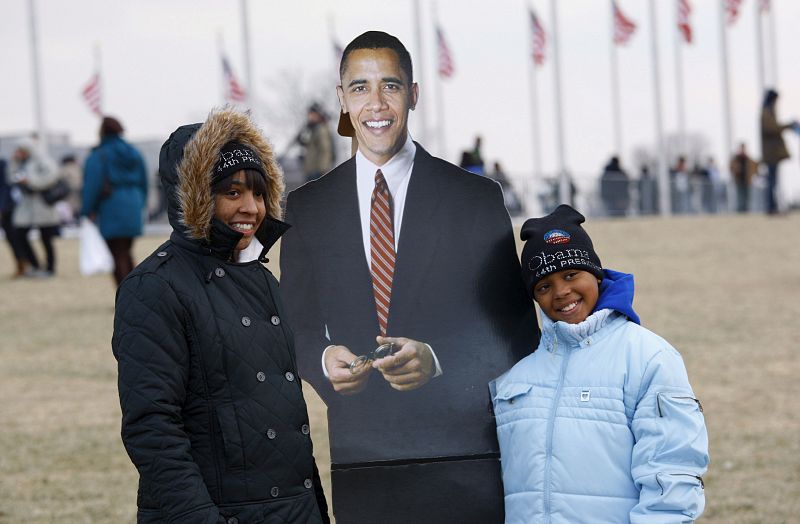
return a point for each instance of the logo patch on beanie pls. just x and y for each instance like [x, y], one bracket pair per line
[556, 236]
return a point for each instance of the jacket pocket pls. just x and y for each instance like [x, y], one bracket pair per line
[507, 395]
[683, 439]
[296, 509]
[684, 492]
[231, 436]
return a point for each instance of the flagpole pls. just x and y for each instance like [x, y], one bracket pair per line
[726, 96]
[97, 71]
[773, 45]
[247, 56]
[421, 105]
[615, 105]
[440, 130]
[535, 134]
[679, 84]
[37, 79]
[760, 49]
[664, 196]
[221, 51]
[563, 181]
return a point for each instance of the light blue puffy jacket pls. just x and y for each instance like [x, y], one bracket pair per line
[599, 425]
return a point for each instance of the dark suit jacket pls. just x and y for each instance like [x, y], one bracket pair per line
[457, 287]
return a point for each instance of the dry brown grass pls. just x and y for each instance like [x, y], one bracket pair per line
[723, 290]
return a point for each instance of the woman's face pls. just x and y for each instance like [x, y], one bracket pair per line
[241, 208]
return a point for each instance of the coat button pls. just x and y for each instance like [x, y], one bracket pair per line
[274, 491]
[307, 483]
[289, 376]
[220, 272]
[245, 321]
[275, 320]
[233, 520]
[260, 376]
[305, 429]
[271, 433]
[161, 254]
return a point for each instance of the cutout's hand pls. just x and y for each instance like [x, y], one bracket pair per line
[344, 381]
[410, 367]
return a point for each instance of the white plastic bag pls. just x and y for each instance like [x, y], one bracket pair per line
[95, 256]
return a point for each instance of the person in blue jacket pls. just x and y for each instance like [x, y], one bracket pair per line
[600, 423]
[114, 194]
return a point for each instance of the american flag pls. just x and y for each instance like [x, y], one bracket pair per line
[446, 67]
[623, 26]
[684, 10]
[732, 8]
[234, 92]
[92, 94]
[538, 39]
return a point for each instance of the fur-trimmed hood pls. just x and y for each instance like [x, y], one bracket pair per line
[186, 164]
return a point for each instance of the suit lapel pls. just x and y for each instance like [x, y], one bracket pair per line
[342, 213]
[418, 238]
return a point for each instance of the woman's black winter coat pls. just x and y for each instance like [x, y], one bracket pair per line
[213, 415]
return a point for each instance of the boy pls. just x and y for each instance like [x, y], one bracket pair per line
[600, 424]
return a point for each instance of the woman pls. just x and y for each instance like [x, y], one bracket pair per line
[772, 146]
[115, 194]
[31, 173]
[213, 415]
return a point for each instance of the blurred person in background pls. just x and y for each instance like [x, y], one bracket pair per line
[472, 159]
[681, 190]
[317, 142]
[114, 194]
[72, 173]
[699, 184]
[31, 173]
[7, 205]
[715, 194]
[477, 156]
[743, 169]
[647, 186]
[773, 148]
[614, 190]
[213, 415]
[510, 197]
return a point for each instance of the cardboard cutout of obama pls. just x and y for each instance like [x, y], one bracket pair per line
[400, 249]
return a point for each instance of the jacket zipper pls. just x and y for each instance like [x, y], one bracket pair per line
[658, 403]
[699, 479]
[551, 428]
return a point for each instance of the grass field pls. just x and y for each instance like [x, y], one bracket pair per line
[723, 290]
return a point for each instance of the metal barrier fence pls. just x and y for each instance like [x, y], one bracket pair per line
[634, 197]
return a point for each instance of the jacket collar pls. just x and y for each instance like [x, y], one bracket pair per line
[559, 333]
[223, 239]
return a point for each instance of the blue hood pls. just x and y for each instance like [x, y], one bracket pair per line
[122, 161]
[616, 292]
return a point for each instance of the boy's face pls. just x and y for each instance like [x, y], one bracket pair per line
[568, 296]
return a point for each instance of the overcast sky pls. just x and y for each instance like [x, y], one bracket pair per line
[161, 68]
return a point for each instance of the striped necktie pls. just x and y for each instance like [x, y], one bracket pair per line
[381, 240]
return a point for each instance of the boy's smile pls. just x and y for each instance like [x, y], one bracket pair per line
[568, 296]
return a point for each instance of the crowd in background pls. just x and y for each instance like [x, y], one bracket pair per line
[38, 197]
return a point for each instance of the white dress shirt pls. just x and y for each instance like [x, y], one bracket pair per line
[397, 172]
